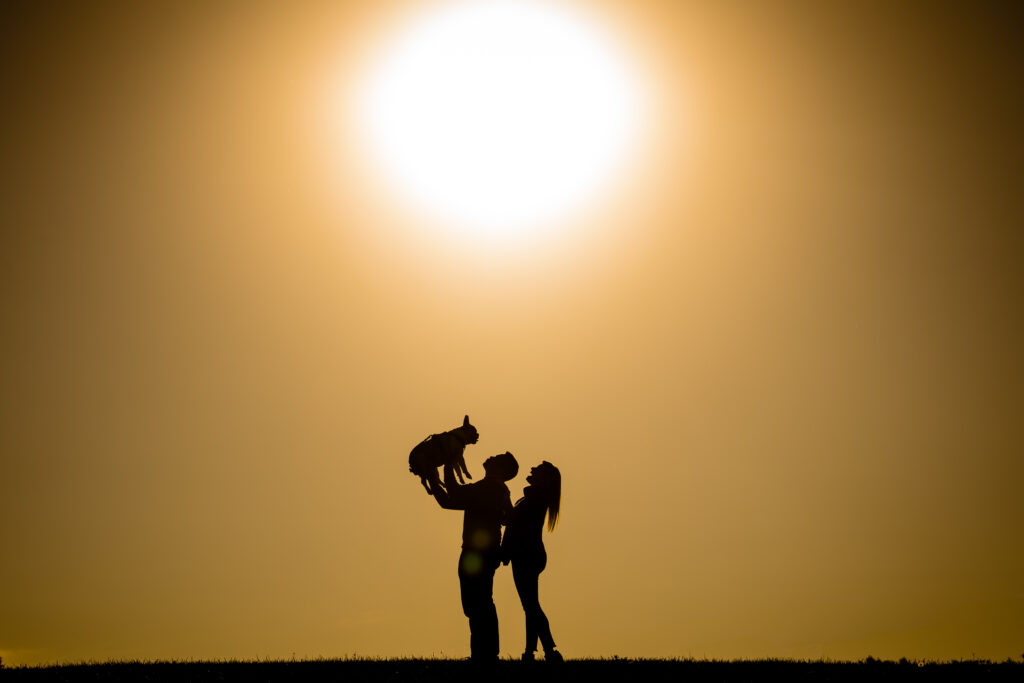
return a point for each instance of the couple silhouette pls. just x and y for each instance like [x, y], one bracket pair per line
[488, 506]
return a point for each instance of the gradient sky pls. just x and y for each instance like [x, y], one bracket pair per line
[779, 366]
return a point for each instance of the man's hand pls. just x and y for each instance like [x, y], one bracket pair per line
[451, 496]
[449, 476]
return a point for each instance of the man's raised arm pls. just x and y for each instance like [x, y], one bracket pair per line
[451, 497]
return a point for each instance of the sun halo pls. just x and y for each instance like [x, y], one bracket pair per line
[497, 118]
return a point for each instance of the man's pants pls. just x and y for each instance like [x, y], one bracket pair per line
[476, 579]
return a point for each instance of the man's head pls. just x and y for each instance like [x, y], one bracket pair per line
[503, 466]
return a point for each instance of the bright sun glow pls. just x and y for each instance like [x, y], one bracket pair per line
[498, 117]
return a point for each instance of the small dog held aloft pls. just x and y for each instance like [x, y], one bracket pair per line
[437, 450]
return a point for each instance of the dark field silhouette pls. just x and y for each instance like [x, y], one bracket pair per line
[583, 670]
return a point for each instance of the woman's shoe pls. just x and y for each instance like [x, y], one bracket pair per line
[553, 656]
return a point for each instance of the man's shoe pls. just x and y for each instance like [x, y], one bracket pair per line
[527, 657]
[553, 656]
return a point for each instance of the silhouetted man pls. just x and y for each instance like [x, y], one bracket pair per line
[487, 504]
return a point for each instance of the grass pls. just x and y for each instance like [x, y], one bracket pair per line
[451, 671]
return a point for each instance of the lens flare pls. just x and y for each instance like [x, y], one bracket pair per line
[471, 562]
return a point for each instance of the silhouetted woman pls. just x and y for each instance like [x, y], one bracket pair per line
[524, 547]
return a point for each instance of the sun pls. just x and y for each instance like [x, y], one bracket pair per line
[498, 118]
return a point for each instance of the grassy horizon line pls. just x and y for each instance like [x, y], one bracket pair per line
[436, 670]
[372, 659]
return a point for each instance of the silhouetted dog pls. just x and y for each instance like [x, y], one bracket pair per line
[442, 449]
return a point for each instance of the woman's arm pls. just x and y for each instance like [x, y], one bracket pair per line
[508, 539]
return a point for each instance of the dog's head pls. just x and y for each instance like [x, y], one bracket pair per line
[469, 432]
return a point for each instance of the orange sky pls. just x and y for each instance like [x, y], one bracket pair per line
[779, 366]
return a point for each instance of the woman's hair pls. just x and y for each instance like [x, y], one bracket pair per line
[551, 483]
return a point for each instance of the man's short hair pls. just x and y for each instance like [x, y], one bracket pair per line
[508, 466]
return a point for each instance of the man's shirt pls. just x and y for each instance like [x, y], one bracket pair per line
[487, 503]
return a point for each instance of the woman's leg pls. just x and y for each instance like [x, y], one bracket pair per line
[525, 578]
[542, 627]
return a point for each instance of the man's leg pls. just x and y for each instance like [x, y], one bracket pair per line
[476, 580]
[487, 616]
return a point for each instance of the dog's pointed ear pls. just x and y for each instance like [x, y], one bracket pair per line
[465, 421]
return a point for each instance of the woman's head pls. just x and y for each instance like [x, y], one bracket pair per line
[547, 480]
